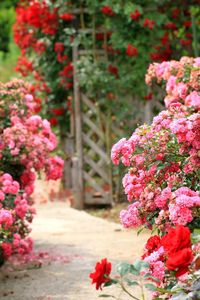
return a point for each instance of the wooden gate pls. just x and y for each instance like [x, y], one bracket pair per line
[91, 166]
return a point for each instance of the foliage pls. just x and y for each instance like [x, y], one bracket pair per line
[26, 146]
[6, 21]
[130, 34]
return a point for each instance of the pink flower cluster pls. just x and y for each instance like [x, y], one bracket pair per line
[15, 214]
[181, 79]
[162, 182]
[25, 149]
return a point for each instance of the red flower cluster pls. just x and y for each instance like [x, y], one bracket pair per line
[177, 245]
[59, 47]
[67, 17]
[101, 274]
[36, 23]
[135, 15]
[149, 23]
[131, 50]
[58, 111]
[113, 70]
[107, 10]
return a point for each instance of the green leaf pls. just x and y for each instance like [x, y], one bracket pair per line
[106, 296]
[134, 271]
[140, 265]
[110, 282]
[131, 283]
[123, 268]
[148, 276]
[150, 286]
[140, 230]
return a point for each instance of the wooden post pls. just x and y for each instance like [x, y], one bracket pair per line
[68, 146]
[78, 161]
[148, 113]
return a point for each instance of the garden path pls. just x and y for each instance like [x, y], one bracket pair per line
[80, 238]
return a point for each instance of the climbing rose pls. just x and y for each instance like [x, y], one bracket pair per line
[149, 23]
[131, 50]
[67, 17]
[101, 274]
[107, 10]
[135, 15]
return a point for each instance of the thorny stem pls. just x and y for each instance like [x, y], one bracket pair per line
[127, 292]
[142, 290]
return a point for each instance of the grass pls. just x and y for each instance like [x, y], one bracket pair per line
[108, 213]
[8, 63]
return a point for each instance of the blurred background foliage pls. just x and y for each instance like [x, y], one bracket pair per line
[9, 52]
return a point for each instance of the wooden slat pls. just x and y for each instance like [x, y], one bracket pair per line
[90, 30]
[93, 126]
[98, 170]
[89, 104]
[91, 200]
[79, 201]
[95, 147]
[100, 164]
[93, 183]
[89, 52]
[117, 131]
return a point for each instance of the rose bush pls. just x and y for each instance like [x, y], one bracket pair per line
[163, 185]
[163, 158]
[167, 269]
[132, 35]
[25, 150]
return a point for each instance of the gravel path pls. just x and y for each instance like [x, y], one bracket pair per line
[83, 239]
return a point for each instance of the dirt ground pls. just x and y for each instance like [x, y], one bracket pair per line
[82, 239]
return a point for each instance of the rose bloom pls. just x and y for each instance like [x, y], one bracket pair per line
[179, 261]
[131, 50]
[67, 17]
[177, 245]
[135, 15]
[107, 10]
[177, 239]
[153, 243]
[101, 274]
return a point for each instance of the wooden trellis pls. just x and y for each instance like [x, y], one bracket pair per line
[95, 131]
[92, 175]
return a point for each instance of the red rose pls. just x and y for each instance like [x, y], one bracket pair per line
[179, 261]
[7, 249]
[175, 13]
[135, 15]
[185, 42]
[131, 50]
[59, 47]
[177, 239]
[153, 243]
[187, 24]
[113, 70]
[101, 274]
[148, 23]
[62, 58]
[148, 96]
[107, 10]
[53, 121]
[67, 17]
[58, 111]
[171, 26]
